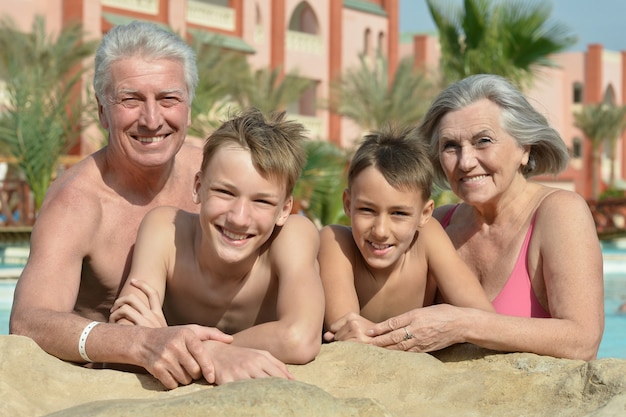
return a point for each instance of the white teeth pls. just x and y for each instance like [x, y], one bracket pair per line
[153, 139]
[379, 247]
[233, 236]
[474, 179]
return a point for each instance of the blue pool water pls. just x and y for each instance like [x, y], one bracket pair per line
[613, 341]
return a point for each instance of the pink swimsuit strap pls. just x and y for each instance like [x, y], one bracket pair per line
[517, 297]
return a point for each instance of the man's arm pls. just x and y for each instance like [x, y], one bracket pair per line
[46, 293]
[47, 290]
[295, 337]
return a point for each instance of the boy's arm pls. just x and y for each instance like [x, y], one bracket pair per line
[141, 299]
[337, 255]
[295, 337]
[455, 281]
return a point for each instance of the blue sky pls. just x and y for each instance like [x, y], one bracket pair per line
[593, 21]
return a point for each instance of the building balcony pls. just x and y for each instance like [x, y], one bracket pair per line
[304, 42]
[210, 15]
[140, 6]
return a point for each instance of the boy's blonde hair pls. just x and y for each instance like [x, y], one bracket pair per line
[275, 144]
[400, 157]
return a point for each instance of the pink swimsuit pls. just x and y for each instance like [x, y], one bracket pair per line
[517, 298]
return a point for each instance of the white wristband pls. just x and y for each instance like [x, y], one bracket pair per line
[83, 340]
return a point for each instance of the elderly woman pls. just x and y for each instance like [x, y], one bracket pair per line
[533, 247]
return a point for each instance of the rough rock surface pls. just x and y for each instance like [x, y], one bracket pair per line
[347, 379]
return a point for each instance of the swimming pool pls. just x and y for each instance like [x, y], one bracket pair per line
[613, 343]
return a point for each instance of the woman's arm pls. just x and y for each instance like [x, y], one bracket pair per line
[570, 262]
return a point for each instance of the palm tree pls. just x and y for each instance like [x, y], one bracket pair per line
[42, 118]
[269, 90]
[367, 95]
[318, 192]
[509, 38]
[599, 123]
[219, 72]
[228, 83]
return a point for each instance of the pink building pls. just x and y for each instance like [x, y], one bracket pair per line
[323, 38]
[592, 76]
[320, 39]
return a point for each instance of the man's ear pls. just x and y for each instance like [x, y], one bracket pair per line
[285, 212]
[427, 213]
[104, 122]
[197, 182]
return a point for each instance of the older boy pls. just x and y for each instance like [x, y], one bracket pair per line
[392, 259]
[244, 264]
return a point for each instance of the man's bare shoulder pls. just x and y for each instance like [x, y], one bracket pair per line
[71, 209]
[81, 183]
[190, 155]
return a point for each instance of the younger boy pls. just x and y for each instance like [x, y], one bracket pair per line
[392, 259]
[243, 264]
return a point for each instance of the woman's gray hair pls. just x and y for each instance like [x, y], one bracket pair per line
[146, 40]
[548, 152]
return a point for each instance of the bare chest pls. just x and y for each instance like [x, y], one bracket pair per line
[229, 303]
[398, 292]
[493, 259]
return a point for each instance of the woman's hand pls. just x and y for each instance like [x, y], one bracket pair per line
[421, 330]
[130, 309]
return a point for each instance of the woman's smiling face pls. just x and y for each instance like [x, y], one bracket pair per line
[480, 159]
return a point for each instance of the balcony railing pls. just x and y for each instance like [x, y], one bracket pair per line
[141, 6]
[304, 42]
[16, 204]
[210, 15]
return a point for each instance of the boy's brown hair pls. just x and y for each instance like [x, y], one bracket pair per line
[275, 144]
[399, 155]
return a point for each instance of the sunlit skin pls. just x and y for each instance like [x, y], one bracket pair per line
[480, 159]
[390, 261]
[83, 240]
[483, 164]
[384, 232]
[239, 208]
[244, 265]
[147, 123]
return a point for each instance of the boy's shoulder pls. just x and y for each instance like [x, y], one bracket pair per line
[337, 239]
[296, 226]
[169, 216]
[336, 231]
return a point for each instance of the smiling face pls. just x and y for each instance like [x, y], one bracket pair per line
[480, 159]
[384, 219]
[148, 111]
[239, 207]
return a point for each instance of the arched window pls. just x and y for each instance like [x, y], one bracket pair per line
[381, 44]
[577, 147]
[578, 92]
[304, 20]
[609, 96]
[366, 42]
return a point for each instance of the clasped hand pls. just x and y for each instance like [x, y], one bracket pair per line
[175, 355]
